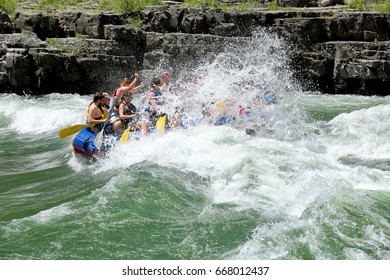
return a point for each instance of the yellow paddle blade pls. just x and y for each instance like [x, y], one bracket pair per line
[220, 105]
[160, 124]
[67, 131]
[125, 135]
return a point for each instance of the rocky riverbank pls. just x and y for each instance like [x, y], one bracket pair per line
[336, 51]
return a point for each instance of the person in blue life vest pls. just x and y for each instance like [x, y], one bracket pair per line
[154, 102]
[154, 97]
[269, 98]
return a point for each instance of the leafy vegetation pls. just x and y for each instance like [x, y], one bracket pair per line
[357, 4]
[247, 5]
[273, 6]
[8, 6]
[68, 47]
[118, 6]
[242, 6]
[383, 7]
[42, 4]
[127, 6]
[134, 22]
[370, 5]
[52, 43]
[202, 3]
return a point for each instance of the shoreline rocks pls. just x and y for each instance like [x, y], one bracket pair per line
[337, 52]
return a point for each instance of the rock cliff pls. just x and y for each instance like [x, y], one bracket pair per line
[342, 52]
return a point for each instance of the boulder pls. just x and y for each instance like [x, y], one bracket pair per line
[6, 25]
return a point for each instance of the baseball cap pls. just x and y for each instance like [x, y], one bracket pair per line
[106, 95]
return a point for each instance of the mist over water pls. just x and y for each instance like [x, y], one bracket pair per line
[313, 183]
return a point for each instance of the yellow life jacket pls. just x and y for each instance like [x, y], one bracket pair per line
[104, 115]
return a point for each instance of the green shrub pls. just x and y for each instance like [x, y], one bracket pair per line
[57, 3]
[204, 3]
[52, 43]
[370, 5]
[273, 6]
[247, 5]
[120, 6]
[357, 4]
[8, 6]
[63, 48]
[134, 22]
[126, 6]
[200, 3]
[383, 6]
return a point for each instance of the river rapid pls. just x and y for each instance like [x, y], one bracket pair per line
[313, 183]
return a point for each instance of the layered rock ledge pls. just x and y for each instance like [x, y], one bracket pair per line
[337, 52]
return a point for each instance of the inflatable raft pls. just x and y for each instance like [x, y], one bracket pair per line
[83, 144]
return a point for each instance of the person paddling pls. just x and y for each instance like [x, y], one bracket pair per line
[128, 115]
[96, 113]
[154, 101]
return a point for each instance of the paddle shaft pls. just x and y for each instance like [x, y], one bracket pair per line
[99, 137]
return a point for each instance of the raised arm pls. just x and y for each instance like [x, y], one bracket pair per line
[133, 83]
[137, 88]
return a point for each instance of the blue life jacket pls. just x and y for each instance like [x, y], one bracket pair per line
[157, 94]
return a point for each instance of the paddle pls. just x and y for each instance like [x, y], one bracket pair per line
[160, 124]
[99, 137]
[125, 135]
[67, 131]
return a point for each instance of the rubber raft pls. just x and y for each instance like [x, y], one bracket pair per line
[83, 144]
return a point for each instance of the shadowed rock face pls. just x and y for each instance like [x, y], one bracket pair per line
[347, 52]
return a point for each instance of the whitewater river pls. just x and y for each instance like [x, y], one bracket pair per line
[313, 183]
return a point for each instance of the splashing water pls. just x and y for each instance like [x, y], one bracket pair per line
[248, 86]
[313, 183]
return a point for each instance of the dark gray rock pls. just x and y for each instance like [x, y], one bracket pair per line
[340, 53]
[93, 24]
[6, 25]
[44, 26]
